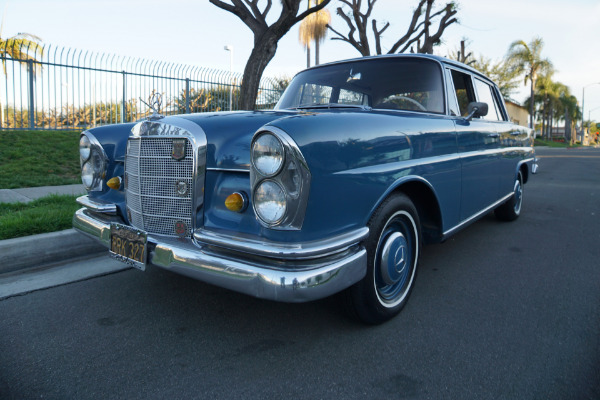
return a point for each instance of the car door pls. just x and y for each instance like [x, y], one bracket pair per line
[478, 145]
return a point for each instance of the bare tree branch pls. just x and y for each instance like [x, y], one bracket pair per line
[412, 28]
[418, 31]
[378, 35]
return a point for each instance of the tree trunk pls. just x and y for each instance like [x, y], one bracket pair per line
[543, 133]
[567, 133]
[262, 53]
[531, 105]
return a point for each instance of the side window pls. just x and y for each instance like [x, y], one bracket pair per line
[484, 93]
[314, 94]
[463, 88]
[350, 97]
[452, 103]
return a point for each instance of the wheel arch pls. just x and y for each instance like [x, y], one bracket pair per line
[524, 169]
[422, 194]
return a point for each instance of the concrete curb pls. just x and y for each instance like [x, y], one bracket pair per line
[29, 251]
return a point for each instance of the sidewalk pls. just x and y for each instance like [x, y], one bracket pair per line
[46, 248]
[25, 195]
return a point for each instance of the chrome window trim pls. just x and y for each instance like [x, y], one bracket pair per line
[280, 250]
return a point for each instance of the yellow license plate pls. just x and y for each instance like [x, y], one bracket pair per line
[129, 245]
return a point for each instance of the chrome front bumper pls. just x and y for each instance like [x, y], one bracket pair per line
[292, 273]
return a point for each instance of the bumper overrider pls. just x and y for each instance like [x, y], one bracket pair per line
[296, 272]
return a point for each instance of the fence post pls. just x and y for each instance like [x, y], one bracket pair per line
[124, 105]
[187, 95]
[31, 98]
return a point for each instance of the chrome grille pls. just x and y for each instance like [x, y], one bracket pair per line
[151, 183]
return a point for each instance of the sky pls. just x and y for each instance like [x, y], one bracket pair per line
[194, 32]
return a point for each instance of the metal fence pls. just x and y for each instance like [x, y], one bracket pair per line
[49, 87]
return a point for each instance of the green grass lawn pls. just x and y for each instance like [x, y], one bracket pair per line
[48, 214]
[38, 158]
[551, 143]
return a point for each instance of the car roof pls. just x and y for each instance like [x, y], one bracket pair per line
[439, 59]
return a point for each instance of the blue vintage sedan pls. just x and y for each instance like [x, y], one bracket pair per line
[359, 165]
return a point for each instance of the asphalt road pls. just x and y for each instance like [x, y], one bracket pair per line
[500, 311]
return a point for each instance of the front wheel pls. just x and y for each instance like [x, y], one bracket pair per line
[511, 210]
[393, 249]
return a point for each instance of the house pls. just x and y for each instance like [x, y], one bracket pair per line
[517, 113]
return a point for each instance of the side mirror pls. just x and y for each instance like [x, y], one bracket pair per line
[476, 109]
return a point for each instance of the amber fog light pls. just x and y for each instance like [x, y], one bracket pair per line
[236, 202]
[114, 183]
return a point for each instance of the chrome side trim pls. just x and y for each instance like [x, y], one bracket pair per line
[289, 281]
[97, 205]
[476, 216]
[229, 170]
[270, 249]
[398, 165]
[404, 164]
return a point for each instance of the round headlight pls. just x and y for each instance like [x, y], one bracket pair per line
[87, 175]
[92, 170]
[84, 147]
[269, 202]
[267, 154]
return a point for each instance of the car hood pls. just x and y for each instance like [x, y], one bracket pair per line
[229, 134]
[332, 140]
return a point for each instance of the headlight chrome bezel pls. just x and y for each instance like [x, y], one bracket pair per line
[96, 159]
[292, 176]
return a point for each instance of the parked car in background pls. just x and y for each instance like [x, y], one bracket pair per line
[359, 165]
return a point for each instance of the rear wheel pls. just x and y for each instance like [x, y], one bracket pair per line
[511, 210]
[393, 249]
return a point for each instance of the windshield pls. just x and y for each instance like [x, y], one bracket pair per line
[413, 84]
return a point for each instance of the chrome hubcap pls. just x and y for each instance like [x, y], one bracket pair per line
[393, 262]
[395, 259]
[518, 196]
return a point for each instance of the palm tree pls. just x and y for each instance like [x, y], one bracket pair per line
[545, 96]
[22, 48]
[527, 58]
[314, 29]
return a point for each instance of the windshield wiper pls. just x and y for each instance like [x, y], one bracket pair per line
[330, 105]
